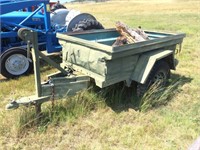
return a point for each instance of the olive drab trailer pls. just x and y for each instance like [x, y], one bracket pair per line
[89, 56]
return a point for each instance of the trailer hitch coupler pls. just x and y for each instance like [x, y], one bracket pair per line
[12, 105]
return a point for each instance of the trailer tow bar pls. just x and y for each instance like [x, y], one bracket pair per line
[63, 82]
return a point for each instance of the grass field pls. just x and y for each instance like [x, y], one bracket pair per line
[94, 121]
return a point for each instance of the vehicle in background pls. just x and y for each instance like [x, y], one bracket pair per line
[15, 56]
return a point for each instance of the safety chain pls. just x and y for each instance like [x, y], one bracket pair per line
[53, 94]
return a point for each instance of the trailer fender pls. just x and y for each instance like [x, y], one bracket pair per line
[147, 61]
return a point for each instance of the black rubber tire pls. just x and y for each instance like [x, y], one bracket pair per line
[8, 54]
[87, 24]
[159, 73]
[57, 6]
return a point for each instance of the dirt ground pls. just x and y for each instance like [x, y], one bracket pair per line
[2, 78]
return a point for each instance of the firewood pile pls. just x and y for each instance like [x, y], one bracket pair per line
[129, 35]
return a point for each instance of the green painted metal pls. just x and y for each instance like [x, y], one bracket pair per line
[92, 54]
[52, 63]
[36, 64]
[60, 87]
[146, 62]
[60, 84]
[28, 101]
[55, 88]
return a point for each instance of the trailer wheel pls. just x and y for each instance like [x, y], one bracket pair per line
[14, 63]
[159, 74]
[87, 24]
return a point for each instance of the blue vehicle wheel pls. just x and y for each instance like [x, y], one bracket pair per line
[87, 24]
[14, 63]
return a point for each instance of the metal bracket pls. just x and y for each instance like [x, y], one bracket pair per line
[59, 85]
[26, 101]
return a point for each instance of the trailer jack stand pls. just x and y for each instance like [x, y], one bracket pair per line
[59, 85]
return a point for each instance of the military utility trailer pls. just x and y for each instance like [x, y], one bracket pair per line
[89, 56]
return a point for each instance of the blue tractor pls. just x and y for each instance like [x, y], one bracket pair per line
[15, 55]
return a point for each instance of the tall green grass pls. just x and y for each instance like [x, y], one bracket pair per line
[119, 97]
[157, 96]
[66, 110]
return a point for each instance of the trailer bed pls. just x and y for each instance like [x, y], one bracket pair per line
[91, 53]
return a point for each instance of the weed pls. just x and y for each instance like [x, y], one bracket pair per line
[67, 110]
[157, 96]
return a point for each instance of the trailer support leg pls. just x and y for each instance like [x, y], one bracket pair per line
[38, 111]
[59, 84]
[36, 64]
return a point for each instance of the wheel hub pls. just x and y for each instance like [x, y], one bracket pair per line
[17, 64]
[160, 78]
